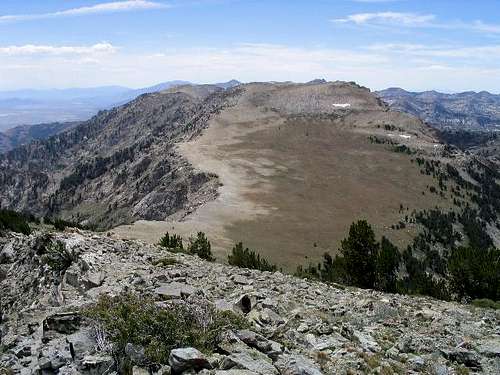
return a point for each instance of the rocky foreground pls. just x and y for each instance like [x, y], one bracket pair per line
[298, 327]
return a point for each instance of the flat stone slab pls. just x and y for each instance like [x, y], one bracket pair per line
[174, 290]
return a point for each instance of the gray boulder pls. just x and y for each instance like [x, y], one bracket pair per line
[183, 359]
[249, 361]
[490, 348]
[296, 365]
[97, 364]
[259, 342]
[135, 353]
[463, 356]
[174, 290]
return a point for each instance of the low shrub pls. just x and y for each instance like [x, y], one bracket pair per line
[15, 222]
[164, 262]
[57, 256]
[138, 320]
[61, 224]
[486, 303]
[247, 258]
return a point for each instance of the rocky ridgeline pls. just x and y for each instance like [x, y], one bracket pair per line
[298, 327]
[462, 111]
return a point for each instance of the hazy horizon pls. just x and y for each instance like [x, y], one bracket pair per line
[447, 46]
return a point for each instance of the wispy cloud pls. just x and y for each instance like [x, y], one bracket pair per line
[32, 49]
[408, 19]
[415, 20]
[413, 66]
[109, 7]
[488, 52]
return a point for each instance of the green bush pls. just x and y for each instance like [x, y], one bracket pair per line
[200, 246]
[138, 320]
[246, 258]
[57, 256]
[61, 224]
[14, 221]
[172, 242]
[486, 303]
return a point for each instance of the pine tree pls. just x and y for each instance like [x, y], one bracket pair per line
[388, 259]
[200, 246]
[360, 250]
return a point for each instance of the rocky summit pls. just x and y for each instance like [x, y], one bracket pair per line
[295, 326]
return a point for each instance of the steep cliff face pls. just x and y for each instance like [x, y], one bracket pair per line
[295, 326]
[118, 166]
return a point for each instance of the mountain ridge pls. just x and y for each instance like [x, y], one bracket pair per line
[477, 111]
[186, 156]
[31, 107]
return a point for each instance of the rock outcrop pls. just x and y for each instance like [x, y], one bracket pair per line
[297, 327]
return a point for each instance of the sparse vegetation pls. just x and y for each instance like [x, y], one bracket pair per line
[172, 242]
[138, 320]
[57, 256]
[164, 262]
[61, 224]
[363, 261]
[463, 273]
[486, 303]
[14, 221]
[201, 246]
[246, 258]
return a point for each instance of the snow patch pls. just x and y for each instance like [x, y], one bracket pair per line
[341, 105]
[405, 136]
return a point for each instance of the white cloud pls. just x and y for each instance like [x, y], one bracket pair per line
[489, 52]
[415, 20]
[32, 49]
[407, 19]
[487, 28]
[415, 67]
[110, 7]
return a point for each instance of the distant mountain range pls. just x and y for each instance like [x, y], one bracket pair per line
[54, 111]
[45, 113]
[462, 111]
[28, 107]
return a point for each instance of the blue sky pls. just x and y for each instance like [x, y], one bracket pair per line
[416, 44]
